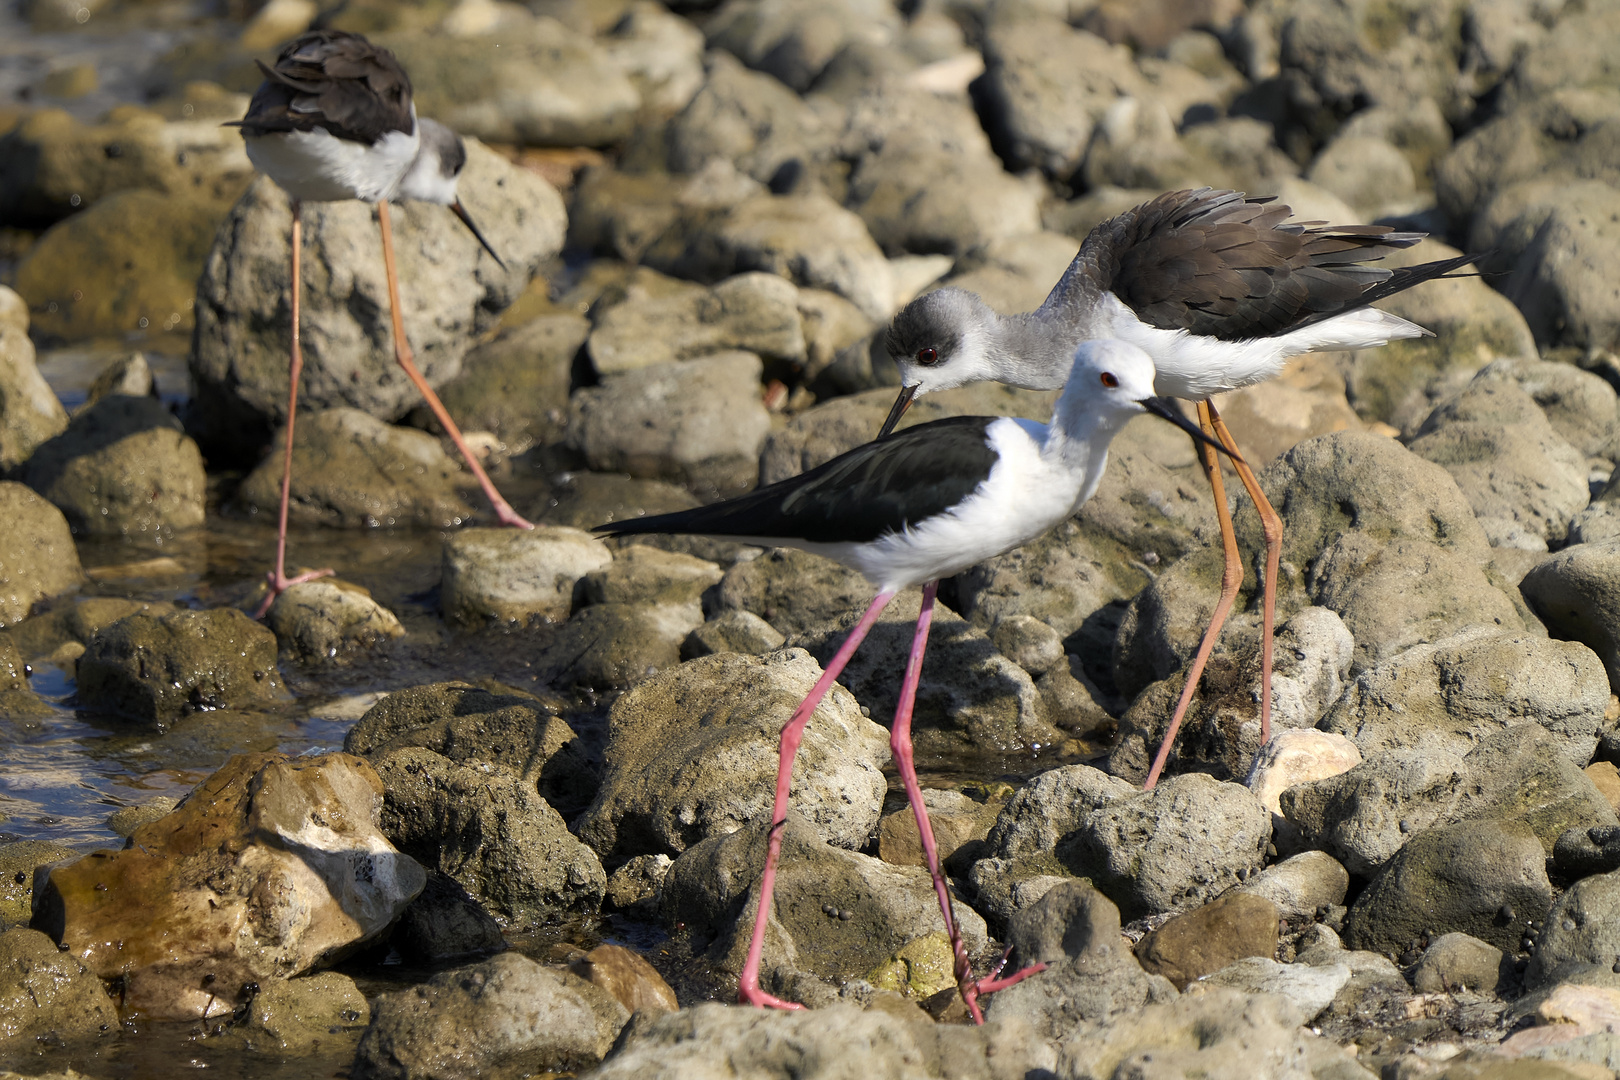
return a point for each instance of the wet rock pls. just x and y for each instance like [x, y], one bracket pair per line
[1455, 692]
[314, 1014]
[451, 290]
[1573, 592]
[445, 923]
[124, 822]
[1456, 961]
[1578, 929]
[47, 995]
[30, 413]
[1207, 939]
[1309, 989]
[636, 886]
[1029, 643]
[506, 1015]
[1216, 1031]
[755, 312]
[513, 575]
[17, 699]
[692, 754]
[713, 889]
[698, 422]
[1173, 847]
[490, 830]
[1579, 852]
[632, 981]
[18, 860]
[613, 646]
[351, 470]
[955, 819]
[123, 467]
[325, 619]
[714, 1041]
[156, 668]
[1302, 885]
[747, 118]
[272, 867]
[733, 631]
[37, 556]
[1484, 878]
[545, 85]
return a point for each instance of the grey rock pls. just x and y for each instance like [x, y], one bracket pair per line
[1580, 928]
[326, 619]
[1029, 643]
[698, 422]
[755, 312]
[155, 668]
[1581, 852]
[1581, 407]
[29, 410]
[351, 471]
[451, 291]
[1015, 273]
[1302, 885]
[490, 830]
[1457, 961]
[583, 500]
[1206, 939]
[1050, 807]
[1174, 847]
[445, 924]
[1456, 691]
[1365, 171]
[794, 40]
[1574, 594]
[661, 53]
[692, 754]
[733, 631]
[792, 590]
[129, 375]
[526, 1016]
[312, 1014]
[637, 886]
[37, 556]
[1309, 989]
[514, 576]
[1004, 887]
[745, 117]
[123, 467]
[646, 575]
[613, 646]
[1484, 878]
[46, 994]
[1073, 921]
[125, 821]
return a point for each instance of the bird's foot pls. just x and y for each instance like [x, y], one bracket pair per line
[973, 989]
[759, 999]
[280, 583]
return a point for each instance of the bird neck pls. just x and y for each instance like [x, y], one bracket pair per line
[1025, 350]
[1078, 437]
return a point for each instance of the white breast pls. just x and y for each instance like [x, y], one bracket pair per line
[315, 166]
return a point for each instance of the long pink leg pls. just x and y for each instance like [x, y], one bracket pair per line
[402, 353]
[748, 991]
[279, 581]
[900, 743]
[1231, 579]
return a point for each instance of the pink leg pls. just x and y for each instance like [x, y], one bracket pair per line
[279, 581]
[748, 991]
[900, 744]
[402, 353]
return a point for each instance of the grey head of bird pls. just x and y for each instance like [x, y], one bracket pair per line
[941, 340]
[432, 177]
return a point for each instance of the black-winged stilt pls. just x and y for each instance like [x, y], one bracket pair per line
[334, 120]
[912, 508]
[1220, 290]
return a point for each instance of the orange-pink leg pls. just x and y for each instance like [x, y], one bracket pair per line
[402, 353]
[279, 581]
[748, 991]
[900, 743]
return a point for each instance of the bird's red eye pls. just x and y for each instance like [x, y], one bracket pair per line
[927, 357]
[1110, 380]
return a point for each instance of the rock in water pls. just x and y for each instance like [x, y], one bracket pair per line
[37, 556]
[271, 868]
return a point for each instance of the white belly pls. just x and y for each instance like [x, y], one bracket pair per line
[314, 166]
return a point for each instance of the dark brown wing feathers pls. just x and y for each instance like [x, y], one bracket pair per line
[333, 80]
[1218, 264]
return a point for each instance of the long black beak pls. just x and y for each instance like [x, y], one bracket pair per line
[1165, 409]
[898, 409]
[461, 212]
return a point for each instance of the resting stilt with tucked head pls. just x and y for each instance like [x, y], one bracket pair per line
[914, 507]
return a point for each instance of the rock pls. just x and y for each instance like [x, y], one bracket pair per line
[1029, 643]
[156, 668]
[1174, 847]
[1606, 778]
[792, 590]
[921, 969]
[754, 312]
[17, 698]
[13, 310]
[583, 500]
[794, 41]
[30, 413]
[732, 631]
[1051, 806]
[713, 1041]
[1484, 878]
[351, 470]
[1302, 885]
[631, 980]
[129, 375]
[1207, 939]
[1581, 407]
[1218, 1031]
[491, 831]
[1295, 757]
[123, 467]
[1306, 400]
[614, 646]
[124, 822]
[1309, 989]
[526, 1016]
[1366, 172]
[544, 85]
[661, 53]
[1457, 691]
[692, 755]
[314, 1014]
[47, 995]
[698, 422]
[746, 118]
[271, 868]
[1015, 274]
[18, 860]
[445, 923]
[1456, 961]
[37, 556]
[1573, 1028]
[469, 725]
[1572, 593]
[516, 576]
[1516, 472]
[324, 619]
[125, 264]
[955, 819]
[451, 291]
[1578, 929]
[646, 575]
